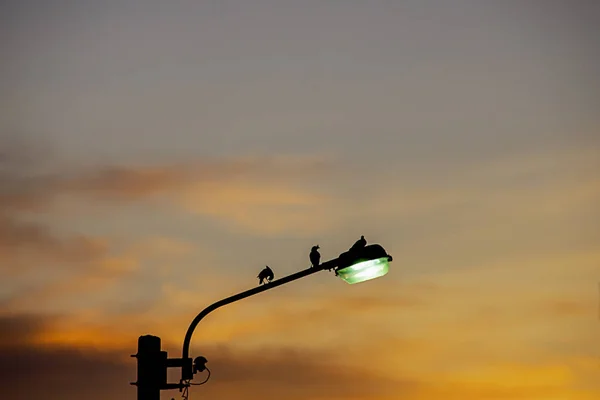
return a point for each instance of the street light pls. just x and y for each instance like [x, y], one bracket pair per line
[353, 266]
[364, 264]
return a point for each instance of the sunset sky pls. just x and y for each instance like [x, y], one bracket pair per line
[156, 155]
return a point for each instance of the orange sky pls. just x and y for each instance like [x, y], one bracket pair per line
[139, 183]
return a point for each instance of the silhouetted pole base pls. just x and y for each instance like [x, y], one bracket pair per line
[152, 365]
[151, 368]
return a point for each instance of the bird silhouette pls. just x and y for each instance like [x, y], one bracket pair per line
[315, 257]
[360, 243]
[265, 276]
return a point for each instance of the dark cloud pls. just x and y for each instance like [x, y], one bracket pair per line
[16, 235]
[31, 371]
[23, 189]
[19, 329]
[300, 374]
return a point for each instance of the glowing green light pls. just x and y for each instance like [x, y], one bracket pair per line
[365, 270]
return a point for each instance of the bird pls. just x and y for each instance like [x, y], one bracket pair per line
[360, 243]
[315, 257]
[265, 276]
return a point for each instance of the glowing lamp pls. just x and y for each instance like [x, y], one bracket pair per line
[364, 264]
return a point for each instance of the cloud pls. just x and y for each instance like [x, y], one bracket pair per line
[570, 308]
[136, 182]
[265, 195]
[163, 246]
[465, 325]
[34, 240]
[523, 186]
[24, 177]
[299, 373]
[283, 321]
[25, 243]
[31, 370]
[49, 264]
[20, 329]
[538, 206]
[72, 288]
[524, 380]
[45, 268]
[261, 207]
[120, 281]
[291, 318]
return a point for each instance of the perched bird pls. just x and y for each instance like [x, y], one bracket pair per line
[265, 276]
[315, 257]
[360, 243]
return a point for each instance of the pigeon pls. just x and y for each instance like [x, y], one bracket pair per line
[265, 276]
[360, 243]
[315, 257]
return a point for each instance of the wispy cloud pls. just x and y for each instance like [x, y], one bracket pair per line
[263, 195]
[268, 195]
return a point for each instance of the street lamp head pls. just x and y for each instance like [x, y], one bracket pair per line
[363, 264]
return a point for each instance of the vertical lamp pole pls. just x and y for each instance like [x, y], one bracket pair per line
[151, 368]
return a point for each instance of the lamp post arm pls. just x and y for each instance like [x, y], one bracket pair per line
[240, 296]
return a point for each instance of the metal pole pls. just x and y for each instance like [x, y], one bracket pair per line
[149, 357]
[186, 371]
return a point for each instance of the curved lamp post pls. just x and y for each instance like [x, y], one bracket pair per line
[353, 266]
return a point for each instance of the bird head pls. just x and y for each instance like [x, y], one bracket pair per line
[315, 248]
